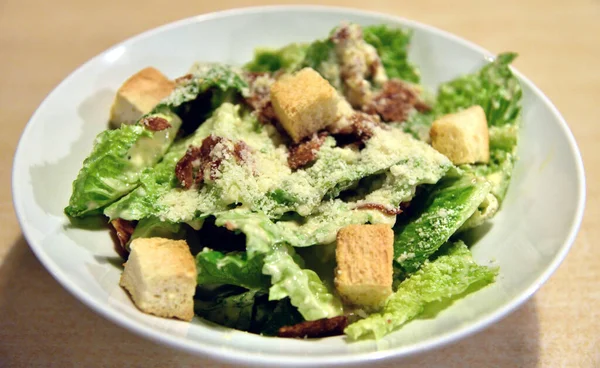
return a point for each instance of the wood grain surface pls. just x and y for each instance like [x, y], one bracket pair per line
[41, 42]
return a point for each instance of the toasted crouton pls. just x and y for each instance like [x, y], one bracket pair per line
[160, 275]
[138, 95]
[462, 137]
[304, 103]
[364, 256]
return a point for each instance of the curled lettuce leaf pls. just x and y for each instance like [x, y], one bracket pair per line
[116, 162]
[155, 183]
[392, 46]
[303, 286]
[445, 277]
[439, 215]
[233, 268]
[121, 157]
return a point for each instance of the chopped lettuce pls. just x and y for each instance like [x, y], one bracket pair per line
[287, 58]
[392, 46]
[303, 286]
[121, 157]
[233, 268]
[216, 77]
[493, 87]
[485, 211]
[440, 213]
[246, 310]
[445, 277]
[157, 182]
[116, 162]
[340, 168]
[284, 314]
[317, 53]
[151, 227]
[228, 306]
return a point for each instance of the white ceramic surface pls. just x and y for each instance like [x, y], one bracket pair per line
[528, 239]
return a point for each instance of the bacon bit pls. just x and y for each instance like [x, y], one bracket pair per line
[341, 34]
[192, 166]
[395, 101]
[381, 208]
[320, 328]
[185, 168]
[361, 129]
[123, 229]
[241, 151]
[183, 79]
[305, 152]
[155, 123]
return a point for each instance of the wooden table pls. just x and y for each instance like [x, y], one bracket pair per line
[559, 44]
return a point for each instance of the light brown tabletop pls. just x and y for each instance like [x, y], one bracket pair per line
[559, 45]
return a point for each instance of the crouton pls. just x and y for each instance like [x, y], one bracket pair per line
[364, 254]
[304, 103]
[160, 275]
[462, 137]
[138, 95]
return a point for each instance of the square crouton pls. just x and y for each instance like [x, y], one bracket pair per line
[138, 95]
[462, 137]
[364, 271]
[160, 275]
[304, 103]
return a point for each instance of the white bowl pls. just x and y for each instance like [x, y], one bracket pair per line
[528, 239]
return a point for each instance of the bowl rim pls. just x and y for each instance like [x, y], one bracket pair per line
[245, 357]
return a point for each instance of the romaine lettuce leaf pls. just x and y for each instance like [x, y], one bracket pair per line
[233, 268]
[497, 172]
[228, 306]
[284, 314]
[392, 46]
[120, 157]
[116, 162]
[289, 58]
[440, 214]
[215, 77]
[303, 286]
[445, 277]
[155, 183]
[246, 310]
[151, 227]
[337, 169]
[493, 87]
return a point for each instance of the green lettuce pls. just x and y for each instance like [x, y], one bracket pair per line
[228, 306]
[116, 162]
[392, 46]
[246, 310]
[233, 268]
[493, 87]
[287, 58]
[155, 183]
[440, 213]
[317, 53]
[303, 286]
[151, 227]
[121, 157]
[283, 314]
[447, 276]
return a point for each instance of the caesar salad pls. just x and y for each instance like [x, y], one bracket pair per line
[317, 190]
